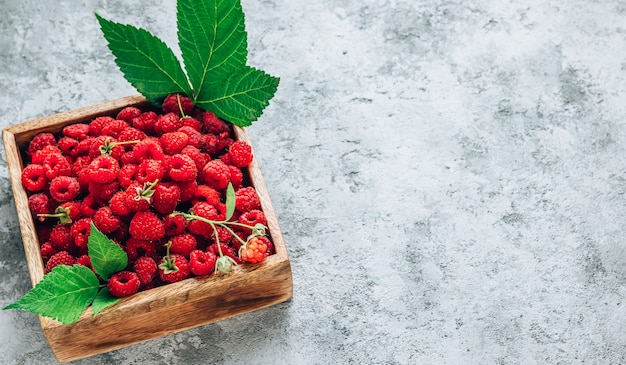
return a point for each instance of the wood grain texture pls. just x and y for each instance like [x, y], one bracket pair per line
[160, 311]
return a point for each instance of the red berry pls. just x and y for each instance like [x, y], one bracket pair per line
[165, 198]
[149, 171]
[96, 125]
[149, 148]
[40, 141]
[226, 250]
[123, 284]
[57, 165]
[216, 174]
[47, 250]
[146, 226]
[173, 103]
[60, 258]
[199, 158]
[67, 145]
[182, 168]
[240, 153]
[64, 188]
[146, 269]
[174, 225]
[103, 191]
[213, 124]
[114, 128]
[78, 131]
[199, 227]
[206, 194]
[103, 169]
[145, 122]
[202, 262]
[174, 268]
[173, 142]
[34, 178]
[131, 134]
[61, 238]
[252, 218]
[84, 260]
[187, 189]
[89, 205]
[105, 145]
[119, 204]
[194, 137]
[165, 123]
[79, 231]
[106, 221]
[236, 176]
[136, 248]
[128, 114]
[39, 204]
[127, 175]
[183, 244]
[246, 199]
[139, 196]
[39, 156]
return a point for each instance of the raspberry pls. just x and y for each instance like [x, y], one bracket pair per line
[226, 250]
[240, 153]
[84, 260]
[206, 194]
[89, 206]
[34, 178]
[216, 174]
[40, 141]
[57, 165]
[103, 191]
[209, 143]
[187, 189]
[47, 250]
[139, 196]
[145, 122]
[114, 128]
[123, 284]
[205, 211]
[105, 145]
[173, 142]
[128, 114]
[64, 188]
[39, 204]
[193, 123]
[182, 168]
[39, 156]
[80, 164]
[149, 148]
[246, 199]
[136, 248]
[254, 251]
[146, 269]
[66, 212]
[165, 123]
[194, 137]
[60, 258]
[78, 131]
[67, 145]
[183, 244]
[79, 231]
[165, 198]
[236, 176]
[174, 225]
[146, 226]
[131, 134]
[106, 221]
[127, 175]
[96, 125]
[223, 235]
[199, 158]
[252, 218]
[201, 262]
[128, 158]
[174, 268]
[61, 238]
[149, 170]
[119, 204]
[213, 124]
[174, 103]
[103, 169]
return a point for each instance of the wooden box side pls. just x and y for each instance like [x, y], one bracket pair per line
[163, 310]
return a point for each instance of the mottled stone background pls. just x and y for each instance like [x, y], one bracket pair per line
[449, 176]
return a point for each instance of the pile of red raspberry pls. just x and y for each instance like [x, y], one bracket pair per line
[127, 174]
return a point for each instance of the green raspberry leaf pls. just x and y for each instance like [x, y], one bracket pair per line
[106, 256]
[63, 294]
[146, 61]
[103, 300]
[230, 201]
[240, 98]
[212, 39]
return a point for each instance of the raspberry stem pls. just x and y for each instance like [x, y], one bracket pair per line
[108, 146]
[62, 213]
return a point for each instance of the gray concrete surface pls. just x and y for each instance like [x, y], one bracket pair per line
[449, 177]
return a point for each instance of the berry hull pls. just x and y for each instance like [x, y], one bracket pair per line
[165, 309]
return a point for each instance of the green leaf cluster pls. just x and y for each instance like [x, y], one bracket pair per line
[65, 292]
[213, 43]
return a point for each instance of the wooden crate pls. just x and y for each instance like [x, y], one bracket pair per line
[163, 310]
